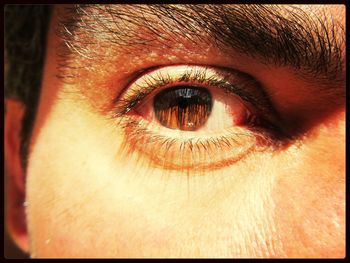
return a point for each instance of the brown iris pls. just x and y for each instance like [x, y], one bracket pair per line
[183, 107]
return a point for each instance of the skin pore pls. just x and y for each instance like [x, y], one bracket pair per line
[93, 191]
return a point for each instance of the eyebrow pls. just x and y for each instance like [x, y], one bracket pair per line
[279, 35]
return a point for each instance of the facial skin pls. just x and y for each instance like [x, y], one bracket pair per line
[88, 196]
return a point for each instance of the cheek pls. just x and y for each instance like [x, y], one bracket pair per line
[72, 186]
[83, 201]
[310, 194]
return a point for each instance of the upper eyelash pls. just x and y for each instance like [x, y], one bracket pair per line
[191, 75]
[264, 134]
[268, 116]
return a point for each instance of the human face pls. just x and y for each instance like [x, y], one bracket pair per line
[100, 181]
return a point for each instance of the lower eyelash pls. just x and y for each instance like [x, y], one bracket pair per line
[199, 154]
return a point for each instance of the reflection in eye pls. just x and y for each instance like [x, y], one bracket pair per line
[184, 108]
[196, 118]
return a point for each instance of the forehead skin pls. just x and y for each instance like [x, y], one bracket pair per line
[83, 201]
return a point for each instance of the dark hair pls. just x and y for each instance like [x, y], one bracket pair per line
[26, 28]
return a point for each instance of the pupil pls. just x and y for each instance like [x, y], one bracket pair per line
[183, 107]
[183, 103]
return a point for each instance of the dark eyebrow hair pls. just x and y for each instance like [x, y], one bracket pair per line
[281, 35]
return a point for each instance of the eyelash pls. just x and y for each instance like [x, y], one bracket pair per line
[265, 128]
[161, 82]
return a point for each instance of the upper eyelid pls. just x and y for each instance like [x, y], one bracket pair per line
[153, 81]
[147, 73]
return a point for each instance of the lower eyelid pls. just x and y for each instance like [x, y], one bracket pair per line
[203, 153]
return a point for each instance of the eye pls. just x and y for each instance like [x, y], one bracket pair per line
[194, 108]
[195, 117]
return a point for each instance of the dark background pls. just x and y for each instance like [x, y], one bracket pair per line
[10, 249]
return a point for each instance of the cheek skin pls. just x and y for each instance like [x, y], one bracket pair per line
[84, 202]
[310, 194]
